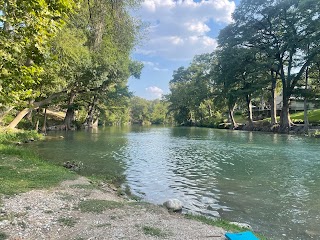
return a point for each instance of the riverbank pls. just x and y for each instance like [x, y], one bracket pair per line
[76, 209]
[40, 200]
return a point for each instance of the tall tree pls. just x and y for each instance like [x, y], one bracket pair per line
[282, 30]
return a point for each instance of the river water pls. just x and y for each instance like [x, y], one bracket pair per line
[269, 181]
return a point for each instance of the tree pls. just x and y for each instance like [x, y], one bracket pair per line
[190, 87]
[27, 28]
[281, 30]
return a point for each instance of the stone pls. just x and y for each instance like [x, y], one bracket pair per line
[242, 225]
[173, 205]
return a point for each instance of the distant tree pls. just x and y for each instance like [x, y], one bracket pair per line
[281, 30]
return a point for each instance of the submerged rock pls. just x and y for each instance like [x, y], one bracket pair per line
[173, 205]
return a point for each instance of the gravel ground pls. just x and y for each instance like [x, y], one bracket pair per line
[54, 214]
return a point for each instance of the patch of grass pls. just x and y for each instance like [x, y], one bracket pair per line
[14, 136]
[98, 206]
[84, 186]
[220, 223]
[68, 221]
[22, 170]
[66, 196]
[152, 231]
[102, 225]
[313, 116]
[48, 211]
[215, 222]
[3, 236]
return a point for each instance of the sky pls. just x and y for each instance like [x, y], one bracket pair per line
[177, 31]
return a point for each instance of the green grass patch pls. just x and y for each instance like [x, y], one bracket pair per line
[313, 116]
[3, 236]
[22, 170]
[220, 223]
[152, 231]
[68, 221]
[85, 186]
[98, 206]
[14, 136]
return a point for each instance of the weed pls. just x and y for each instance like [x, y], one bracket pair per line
[220, 223]
[102, 225]
[98, 206]
[3, 236]
[152, 231]
[66, 196]
[84, 186]
[48, 211]
[68, 221]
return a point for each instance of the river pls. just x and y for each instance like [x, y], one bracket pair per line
[269, 181]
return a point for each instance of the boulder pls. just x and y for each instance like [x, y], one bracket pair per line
[173, 205]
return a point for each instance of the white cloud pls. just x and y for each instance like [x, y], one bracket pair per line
[179, 29]
[155, 91]
[154, 66]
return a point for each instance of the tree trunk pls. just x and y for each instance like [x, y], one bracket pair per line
[249, 108]
[18, 118]
[44, 127]
[35, 105]
[70, 111]
[232, 120]
[285, 121]
[305, 105]
[273, 99]
[89, 119]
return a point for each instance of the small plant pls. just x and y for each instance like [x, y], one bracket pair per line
[152, 231]
[3, 236]
[98, 206]
[84, 186]
[68, 221]
[102, 225]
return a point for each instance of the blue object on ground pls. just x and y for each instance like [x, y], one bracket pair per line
[241, 236]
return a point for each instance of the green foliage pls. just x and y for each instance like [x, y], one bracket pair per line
[191, 90]
[98, 206]
[28, 27]
[145, 112]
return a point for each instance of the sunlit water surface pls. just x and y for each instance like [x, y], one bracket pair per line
[270, 181]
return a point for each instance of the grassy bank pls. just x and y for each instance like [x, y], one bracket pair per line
[21, 169]
[226, 225]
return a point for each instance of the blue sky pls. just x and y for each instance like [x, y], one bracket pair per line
[177, 30]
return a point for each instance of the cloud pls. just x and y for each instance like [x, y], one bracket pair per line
[179, 29]
[155, 91]
[154, 66]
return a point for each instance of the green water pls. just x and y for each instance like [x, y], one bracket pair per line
[270, 181]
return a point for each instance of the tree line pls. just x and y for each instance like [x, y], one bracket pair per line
[67, 54]
[270, 46]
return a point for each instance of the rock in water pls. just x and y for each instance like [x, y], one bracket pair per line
[173, 205]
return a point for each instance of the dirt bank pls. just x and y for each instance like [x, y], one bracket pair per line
[79, 210]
